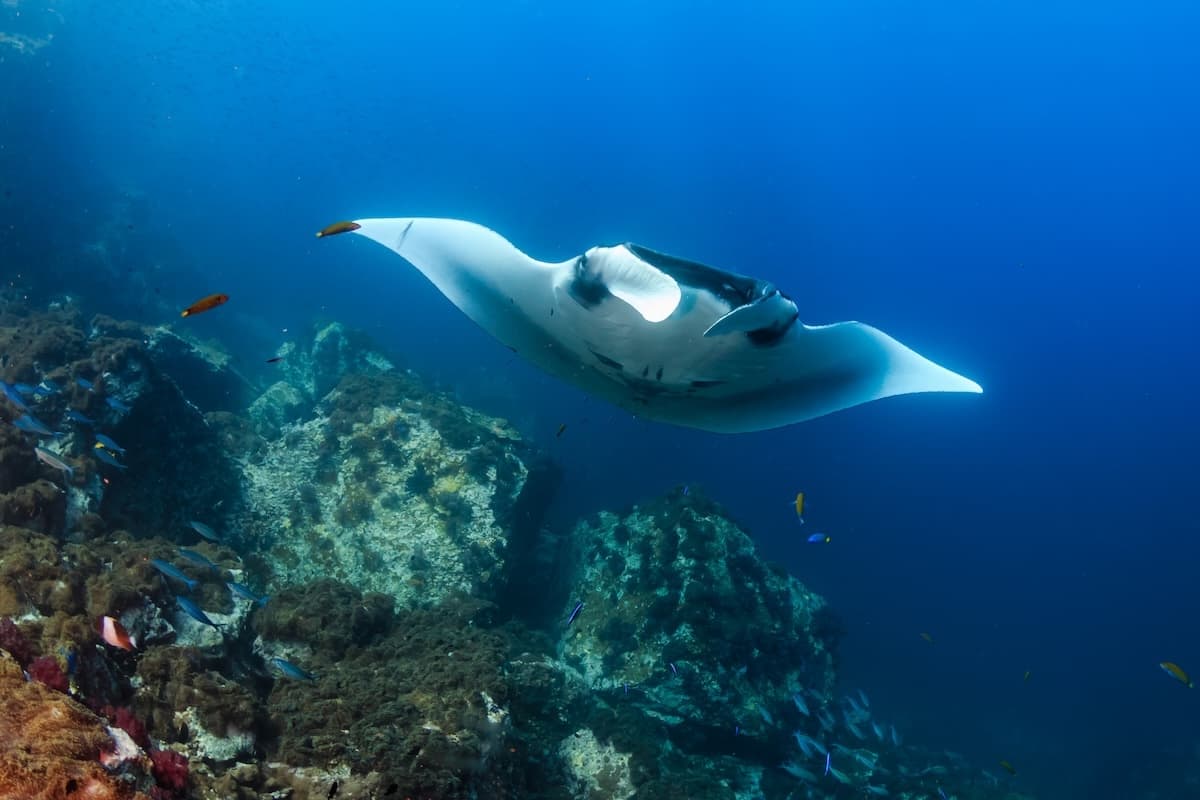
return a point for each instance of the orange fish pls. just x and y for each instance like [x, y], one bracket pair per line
[205, 304]
[336, 228]
[114, 633]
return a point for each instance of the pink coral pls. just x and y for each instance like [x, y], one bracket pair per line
[171, 771]
[46, 671]
[124, 719]
[12, 640]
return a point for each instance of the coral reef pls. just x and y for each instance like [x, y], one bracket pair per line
[404, 650]
[396, 490]
[53, 746]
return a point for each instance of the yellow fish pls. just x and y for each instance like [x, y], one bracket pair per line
[800, 505]
[1009, 768]
[927, 637]
[1176, 672]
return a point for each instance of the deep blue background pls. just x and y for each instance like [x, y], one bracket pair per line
[1010, 188]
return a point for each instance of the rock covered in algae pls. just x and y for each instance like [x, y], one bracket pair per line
[53, 746]
[695, 645]
[395, 490]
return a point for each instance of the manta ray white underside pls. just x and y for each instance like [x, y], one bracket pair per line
[664, 338]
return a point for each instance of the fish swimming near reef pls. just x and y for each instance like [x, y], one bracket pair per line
[1176, 672]
[246, 593]
[205, 304]
[195, 612]
[31, 424]
[109, 444]
[664, 338]
[174, 572]
[114, 633]
[199, 559]
[107, 457]
[53, 460]
[291, 670]
[205, 531]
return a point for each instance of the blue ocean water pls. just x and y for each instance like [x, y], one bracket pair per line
[1009, 188]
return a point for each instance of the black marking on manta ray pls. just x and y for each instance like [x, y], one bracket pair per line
[734, 289]
[766, 337]
[587, 289]
[658, 375]
[705, 384]
[404, 234]
[609, 362]
[646, 371]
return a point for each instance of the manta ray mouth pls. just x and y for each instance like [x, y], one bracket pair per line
[666, 338]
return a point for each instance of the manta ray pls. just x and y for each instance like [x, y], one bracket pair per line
[662, 337]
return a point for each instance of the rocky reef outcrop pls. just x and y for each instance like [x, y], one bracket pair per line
[404, 649]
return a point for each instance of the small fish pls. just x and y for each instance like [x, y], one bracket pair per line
[737, 729]
[857, 731]
[626, 687]
[1176, 672]
[671, 664]
[801, 706]
[927, 637]
[866, 701]
[819, 538]
[828, 762]
[292, 671]
[172, 571]
[198, 558]
[275, 360]
[25, 389]
[205, 304]
[1009, 768]
[50, 459]
[244, 592]
[75, 416]
[687, 490]
[114, 633]
[560, 430]
[31, 424]
[575, 613]
[117, 405]
[895, 736]
[13, 396]
[877, 729]
[1027, 674]
[47, 386]
[205, 531]
[800, 507]
[109, 444]
[193, 611]
[766, 715]
[84, 383]
[942, 794]
[336, 228]
[108, 458]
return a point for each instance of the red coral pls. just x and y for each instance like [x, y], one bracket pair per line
[12, 640]
[124, 719]
[171, 771]
[47, 671]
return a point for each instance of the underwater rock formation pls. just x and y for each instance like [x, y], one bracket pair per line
[55, 748]
[395, 490]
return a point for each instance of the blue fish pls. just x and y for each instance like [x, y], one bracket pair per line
[172, 571]
[193, 611]
[819, 538]
[291, 670]
[117, 405]
[31, 424]
[198, 558]
[108, 458]
[13, 396]
[575, 613]
[25, 389]
[76, 417]
[246, 593]
[205, 531]
[84, 383]
[47, 387]
[828, 762]
[110, 444]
